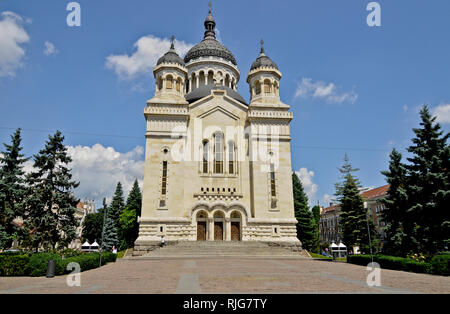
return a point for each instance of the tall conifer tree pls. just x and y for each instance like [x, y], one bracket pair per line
[398, 222]
[352, 220]
[50, 204]
[429, 186]
[306, 230]
[12, 188]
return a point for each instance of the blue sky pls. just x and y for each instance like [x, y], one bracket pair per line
[352, 88]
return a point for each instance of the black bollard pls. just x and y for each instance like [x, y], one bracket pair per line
[51, 268]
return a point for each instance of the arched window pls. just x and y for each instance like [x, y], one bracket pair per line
[231, 157]
[193, 81]
[205, 157]
[160, 83]
[169, 82]
[178, 85]
[258, 88]
[210, 77]
[201, 81]
[267, 87]
[218, 152]
[227, 80]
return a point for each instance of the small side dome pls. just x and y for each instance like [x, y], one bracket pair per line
[263, 60]
[171, 56]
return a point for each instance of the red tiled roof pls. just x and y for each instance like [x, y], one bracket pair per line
[330, 208]
[377, 192]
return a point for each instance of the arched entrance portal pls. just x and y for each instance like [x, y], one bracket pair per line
[201, 226]
[218, 226]
[235, 219]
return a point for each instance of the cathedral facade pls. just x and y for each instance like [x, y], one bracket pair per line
[216, 167]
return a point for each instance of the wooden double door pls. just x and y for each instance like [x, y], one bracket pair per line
[218, 231]
[201, 231]
[235, 231]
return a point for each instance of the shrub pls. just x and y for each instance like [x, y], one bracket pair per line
[440, 265]
[391, 262]
[39, 262]
[13, 264]
[86, 261]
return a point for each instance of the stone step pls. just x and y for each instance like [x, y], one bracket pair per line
[225, 249]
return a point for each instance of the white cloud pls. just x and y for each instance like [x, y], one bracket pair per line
[323, 90]
[442, 113]
[148, 50]
[12, 36]
[306, 177]
[50, 49]
[326, 200]
[99, 168]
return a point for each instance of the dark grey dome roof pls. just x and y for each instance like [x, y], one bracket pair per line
[205, 90]
[209, 47]
[263, 61]
[171, 57]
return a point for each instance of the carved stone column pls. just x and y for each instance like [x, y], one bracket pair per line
[227, 229]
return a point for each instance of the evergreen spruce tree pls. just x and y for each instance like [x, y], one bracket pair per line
[50, 204]
[429, 186]
[316, 214]
[398, 222]
[352, 220]
[306, 230]
[129, 227]
[117, 204]
[134, 200]
[12, 189]
[110, 237]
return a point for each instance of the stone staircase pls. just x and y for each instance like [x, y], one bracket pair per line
[224, 249]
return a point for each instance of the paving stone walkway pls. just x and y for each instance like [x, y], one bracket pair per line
[229, 276]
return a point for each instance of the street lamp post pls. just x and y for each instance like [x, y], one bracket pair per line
[103, 232]
[368, 229]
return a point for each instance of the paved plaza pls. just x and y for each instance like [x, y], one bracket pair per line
[214, 275]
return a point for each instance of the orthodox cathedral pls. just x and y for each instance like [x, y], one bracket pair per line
[216, 167]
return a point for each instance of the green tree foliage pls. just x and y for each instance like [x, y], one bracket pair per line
[134, 200]
[306, 230]
[421, 191]
[128, 228]
[12, 188]
[50, 204]
[395, 215]
[110, 237]
[93, 227]
[117, 204]
[353, 218]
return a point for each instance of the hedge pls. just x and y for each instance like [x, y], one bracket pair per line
[36, 264]
[13, 264]
[439, 265]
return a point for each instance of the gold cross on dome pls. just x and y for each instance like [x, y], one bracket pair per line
[262, 43]
[209, 5]
[173, 38]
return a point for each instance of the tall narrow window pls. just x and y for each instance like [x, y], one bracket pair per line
[218, 152]
[205, 157]
[273, 192]
[164, 179]
[231, 157]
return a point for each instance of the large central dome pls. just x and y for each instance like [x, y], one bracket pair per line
[209, 45]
